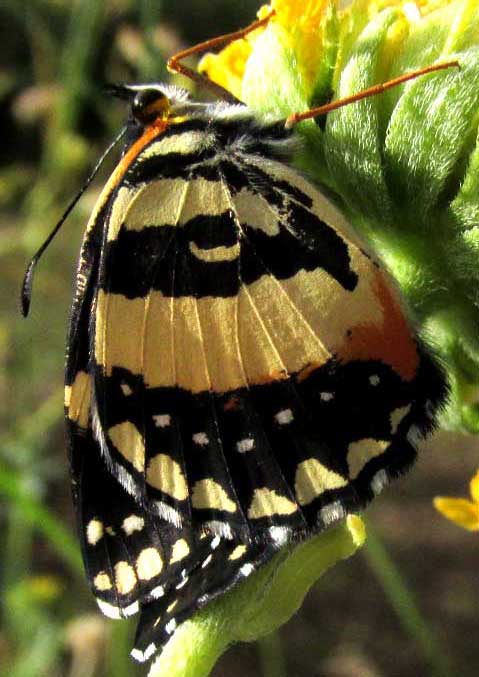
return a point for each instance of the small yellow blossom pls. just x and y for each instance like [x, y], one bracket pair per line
[298, 26]
[462, 511]
[302, 28]
[45, 588]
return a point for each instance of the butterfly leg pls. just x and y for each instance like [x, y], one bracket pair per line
[294, 118]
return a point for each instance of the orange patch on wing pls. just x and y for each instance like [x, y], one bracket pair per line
[231, 404]
[150, 133]
[272, 377]
[391, 342]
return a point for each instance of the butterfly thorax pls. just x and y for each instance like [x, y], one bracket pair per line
[236, 125]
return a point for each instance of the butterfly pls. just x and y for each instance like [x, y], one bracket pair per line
[241, 372]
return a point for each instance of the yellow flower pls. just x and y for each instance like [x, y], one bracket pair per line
[45, 588]
[296, 26]
[300, 25]
[463, 512]
[307, 31]
[227, 67]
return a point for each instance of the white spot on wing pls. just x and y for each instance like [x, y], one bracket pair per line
[94, 531]
[219, 528]
[206, 561]
[332, 513]
[326, 396]
[125, 389]
[143, 656]
[131, 610]
[379, 481]
[132, 523]
[247, 569]
[157, 592]
[245, 445]
[215, 542]
[280, 535]
[201, 439]
[108, 609]
[374, 380]
[162, 420]
[170, 627]
[168, 513]
[183, 582]
[284, 416]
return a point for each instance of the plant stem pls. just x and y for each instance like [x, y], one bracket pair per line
[400, 597]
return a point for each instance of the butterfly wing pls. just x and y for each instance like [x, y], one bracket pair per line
[139, 562]
[254, 369]
[240, 373]
[135, 560]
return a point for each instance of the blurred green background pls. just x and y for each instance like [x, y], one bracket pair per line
[407, 605]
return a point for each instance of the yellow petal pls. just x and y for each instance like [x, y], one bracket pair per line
[306, 15]
[474, 488]
[460, 511]
[227, 67]
[298, 26]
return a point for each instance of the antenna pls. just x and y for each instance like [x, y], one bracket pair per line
[26, 294]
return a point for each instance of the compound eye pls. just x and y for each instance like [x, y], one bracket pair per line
[150, 104]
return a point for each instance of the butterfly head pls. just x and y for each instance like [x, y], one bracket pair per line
[150, 104]
[155, 102]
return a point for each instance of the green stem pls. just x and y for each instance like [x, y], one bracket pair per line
[193, 650]
[271, 656]
[35, 514]
[17, 551]
[258, 605]
[401, 599]
[119, 663]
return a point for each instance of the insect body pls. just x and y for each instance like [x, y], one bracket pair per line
[240, 371]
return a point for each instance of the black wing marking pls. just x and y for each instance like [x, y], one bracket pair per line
[253, 450]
